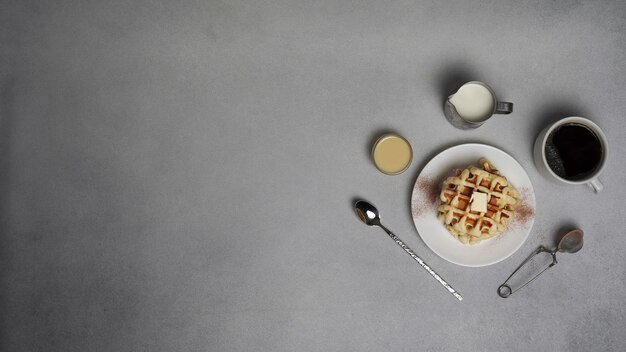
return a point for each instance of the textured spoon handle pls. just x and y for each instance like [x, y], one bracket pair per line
[423, 264]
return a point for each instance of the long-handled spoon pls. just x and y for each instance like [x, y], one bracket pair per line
[369, 215]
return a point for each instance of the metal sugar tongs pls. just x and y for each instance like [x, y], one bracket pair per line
[571, 242]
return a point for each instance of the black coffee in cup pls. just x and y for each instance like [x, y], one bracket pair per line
[573, 151]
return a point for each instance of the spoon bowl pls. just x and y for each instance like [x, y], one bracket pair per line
[571, 242]
[367, 213]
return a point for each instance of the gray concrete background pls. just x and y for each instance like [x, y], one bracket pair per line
[178, 176]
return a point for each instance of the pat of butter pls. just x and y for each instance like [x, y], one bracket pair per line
[478, 202]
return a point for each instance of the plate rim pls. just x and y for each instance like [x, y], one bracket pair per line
[480, 145]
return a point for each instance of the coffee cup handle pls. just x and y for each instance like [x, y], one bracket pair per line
[596, 185]
[504, 107]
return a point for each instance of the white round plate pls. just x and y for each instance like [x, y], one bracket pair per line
[425, 199]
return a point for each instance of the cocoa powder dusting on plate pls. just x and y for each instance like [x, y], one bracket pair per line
[524, 211]
[426, 193]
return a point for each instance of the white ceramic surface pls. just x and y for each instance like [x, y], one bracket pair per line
[432, 231]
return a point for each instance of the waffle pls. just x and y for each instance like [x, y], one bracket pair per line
[470, 226]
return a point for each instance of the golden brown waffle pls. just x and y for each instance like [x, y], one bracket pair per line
[470, 226]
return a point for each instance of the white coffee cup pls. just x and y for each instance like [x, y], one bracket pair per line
[541, 161]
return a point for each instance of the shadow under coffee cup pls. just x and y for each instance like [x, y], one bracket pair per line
[573, 150]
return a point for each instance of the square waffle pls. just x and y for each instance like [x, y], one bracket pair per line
[471, 226]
